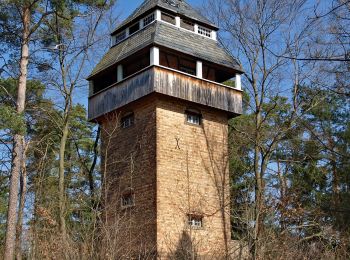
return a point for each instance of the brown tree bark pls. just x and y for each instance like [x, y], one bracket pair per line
[61, 178]
[23, 193]
[19, 141]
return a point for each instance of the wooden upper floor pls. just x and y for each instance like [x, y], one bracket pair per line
[160, 79]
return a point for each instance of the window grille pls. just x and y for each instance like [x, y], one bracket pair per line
[204, 31]
[127, 121]
[128, 200]
[193, 118]
[149, 19]
[121, 36]
[195, 221]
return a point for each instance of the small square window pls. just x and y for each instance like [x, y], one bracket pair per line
[149, 19]
[193, 118]
[120, 37]
[127, 121]
[128, 200]
[204, 31]
[195, 221]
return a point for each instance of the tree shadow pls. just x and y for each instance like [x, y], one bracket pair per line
[185, 249]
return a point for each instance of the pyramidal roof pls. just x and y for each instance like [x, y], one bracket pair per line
[163, 34]
[179, 7]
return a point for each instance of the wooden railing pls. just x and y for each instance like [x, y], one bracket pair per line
[169, 82]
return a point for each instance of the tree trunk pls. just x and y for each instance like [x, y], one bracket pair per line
[259, 185]
[19, 141]
[61, 181]
[23, 193]
[92, 169]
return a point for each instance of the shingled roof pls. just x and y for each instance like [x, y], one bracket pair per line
[179, 7]
[169, 36]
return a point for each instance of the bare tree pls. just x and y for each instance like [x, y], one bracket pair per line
[72, 52]
[25, 11]
[252, 31]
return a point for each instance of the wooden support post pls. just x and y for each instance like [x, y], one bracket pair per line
[178, 21]
[196, 28]
[199, 69]
[158, 15]
[214, 35]
[238, 82]
[120, 73]
[154, 56]
[91, 88]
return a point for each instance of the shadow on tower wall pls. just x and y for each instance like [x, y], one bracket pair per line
[185, 249]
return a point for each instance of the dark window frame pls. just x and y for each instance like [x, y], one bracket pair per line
[120, 37]
[195, 221]
[148, 19]
[128, 199]
[194, 114]
[133, 30]
[128, 120]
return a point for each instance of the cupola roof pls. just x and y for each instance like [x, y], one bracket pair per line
[178, 7]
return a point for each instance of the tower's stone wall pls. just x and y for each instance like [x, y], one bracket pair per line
[192, 178]
[173, 169]
[128, 161]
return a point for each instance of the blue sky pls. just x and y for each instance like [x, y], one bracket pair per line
[126, 7]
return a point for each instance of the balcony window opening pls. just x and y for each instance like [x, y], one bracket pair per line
[169, 60]
[195, 221]
[149, 19]
[105, 80]
[135, 64]
[120, 37]
[134, 28]
[128, 199]
[209, 73]
[188, 25]
[204, 31]
[177, 62]
[168, 18]
[188, 66]
[193, 117]
[127, 120]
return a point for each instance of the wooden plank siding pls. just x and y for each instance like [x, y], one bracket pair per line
[180, 85]
[168, 82]
[121, 94]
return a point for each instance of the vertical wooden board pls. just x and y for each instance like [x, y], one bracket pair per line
[185, 87]
[121, 94]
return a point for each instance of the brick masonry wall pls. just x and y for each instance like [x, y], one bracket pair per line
[174, 169]
[128, 160]
[192, 177]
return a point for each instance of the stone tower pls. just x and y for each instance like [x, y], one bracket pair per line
[159, 97]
